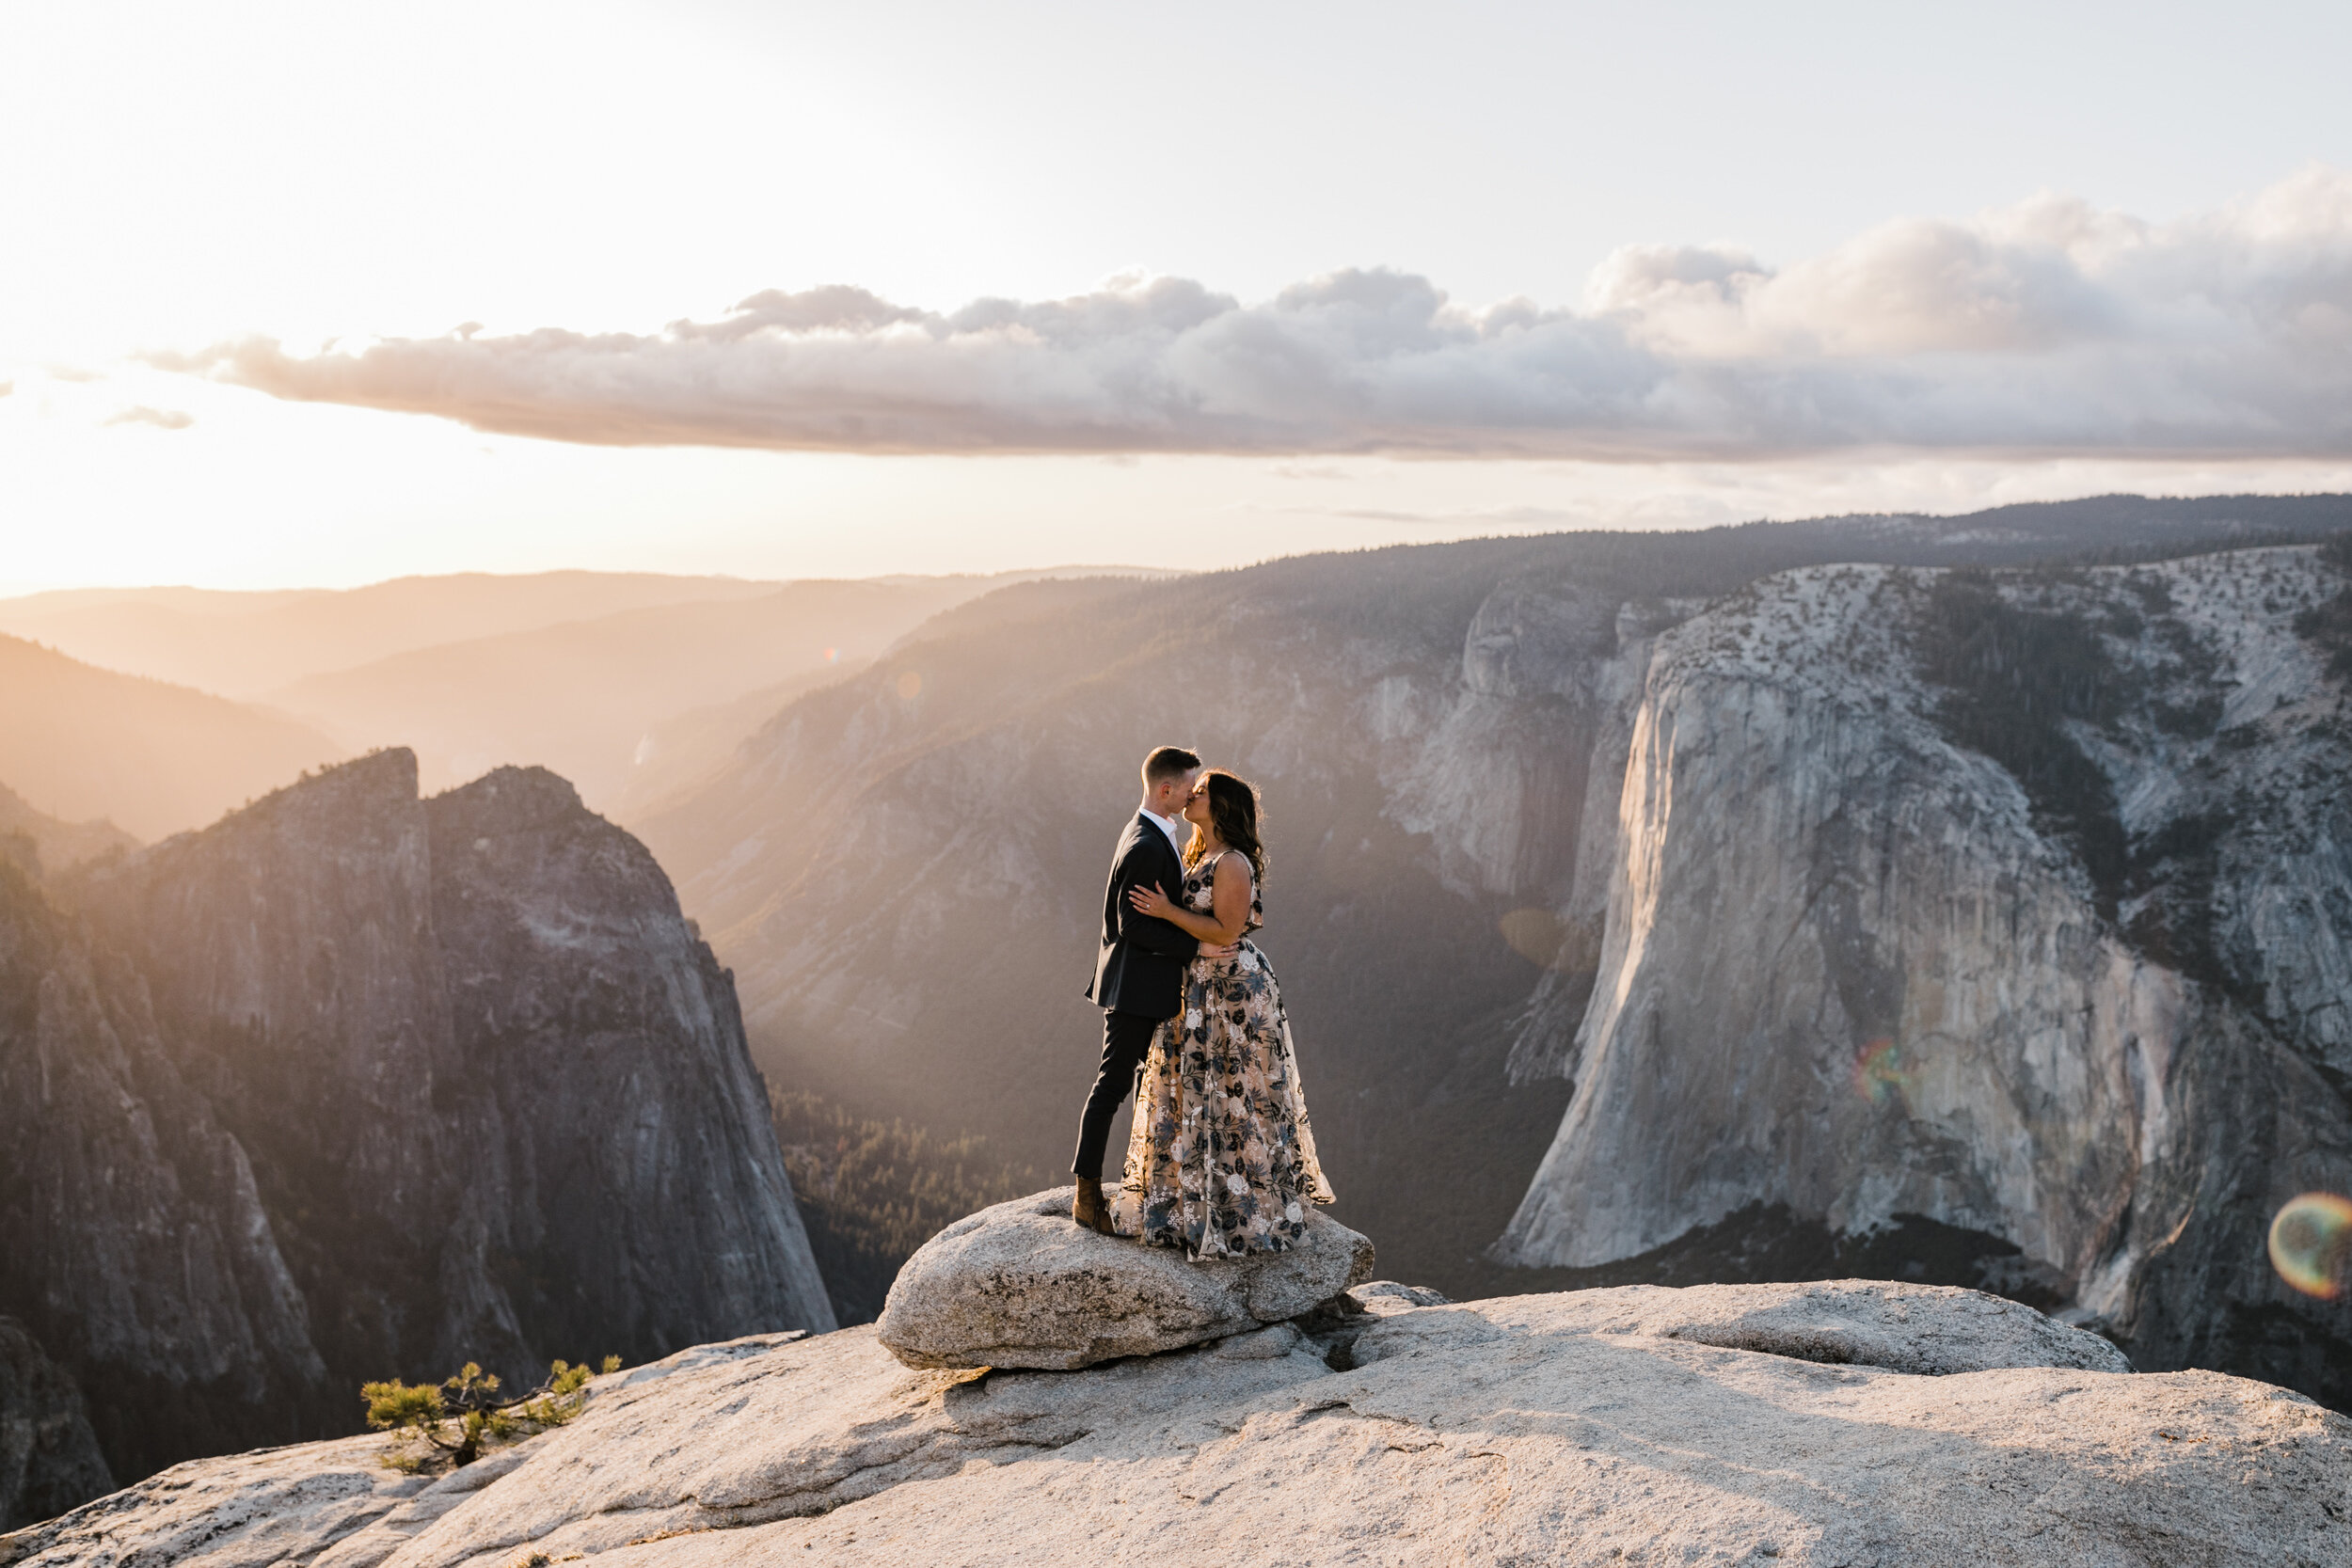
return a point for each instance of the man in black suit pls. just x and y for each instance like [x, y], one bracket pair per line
[1139, 975]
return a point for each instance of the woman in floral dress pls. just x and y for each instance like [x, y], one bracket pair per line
[1221, 1161]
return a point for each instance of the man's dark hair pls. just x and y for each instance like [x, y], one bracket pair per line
[1168, 762]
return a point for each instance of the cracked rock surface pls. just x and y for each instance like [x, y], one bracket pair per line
[1020, 1285]
[1589, 1427]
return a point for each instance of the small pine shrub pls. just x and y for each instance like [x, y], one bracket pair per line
[454, 1420]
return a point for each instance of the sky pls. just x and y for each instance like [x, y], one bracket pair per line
[313, 295]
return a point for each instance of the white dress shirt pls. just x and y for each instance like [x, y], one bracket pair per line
[1178, 832]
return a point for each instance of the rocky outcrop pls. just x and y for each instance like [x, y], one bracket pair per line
[643, 1187]
[1020, 1285]
[2017, 902]
[49, 1458]
[1593, 1427]
[354, 1085]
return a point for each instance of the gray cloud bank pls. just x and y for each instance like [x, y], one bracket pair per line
[2047, 328]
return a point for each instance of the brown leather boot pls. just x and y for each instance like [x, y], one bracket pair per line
[1087, 1208]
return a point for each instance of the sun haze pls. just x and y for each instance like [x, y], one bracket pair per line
[323, 296]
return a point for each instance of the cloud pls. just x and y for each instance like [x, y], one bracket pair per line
[162, 419]
[2049, 328]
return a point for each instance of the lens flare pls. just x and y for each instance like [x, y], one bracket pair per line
[2311, 1244]
[910, 685]
[833, 656]
[1883, 1069]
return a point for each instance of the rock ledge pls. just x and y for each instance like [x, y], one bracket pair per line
[1595, 1428]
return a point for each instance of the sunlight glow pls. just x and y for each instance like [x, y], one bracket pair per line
[328, 176]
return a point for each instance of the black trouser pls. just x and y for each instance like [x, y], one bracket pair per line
[1126, 1041]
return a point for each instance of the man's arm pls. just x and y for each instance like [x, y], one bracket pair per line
[1147, 932]
[1228, 914]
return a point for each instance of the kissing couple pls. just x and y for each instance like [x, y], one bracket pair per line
[1221, 1161]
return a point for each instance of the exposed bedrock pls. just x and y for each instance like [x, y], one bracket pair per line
[352, 1086]
[2088, 997]
[1839, 1423]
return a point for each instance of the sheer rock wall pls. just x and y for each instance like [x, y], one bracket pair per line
[352, 1085]
[1857, 969]
[49, 1458]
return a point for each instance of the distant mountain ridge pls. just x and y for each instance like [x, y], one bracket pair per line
[587, 697]
[247, 644]
[78, 742]
[2101, 526]
[630, 684]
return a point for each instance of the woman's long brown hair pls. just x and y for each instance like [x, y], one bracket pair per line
[1234, 811]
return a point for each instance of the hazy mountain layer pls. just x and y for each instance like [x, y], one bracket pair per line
[905, 869]
[55, 845]
[78, 743]
[245, 644]
[353, 1084]
[2020, 902]
[677, 752]
[594, 699]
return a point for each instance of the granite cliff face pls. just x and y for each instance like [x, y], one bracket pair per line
[134, 1245]
[2017, 901]
[353, 1084]
[49, 1458]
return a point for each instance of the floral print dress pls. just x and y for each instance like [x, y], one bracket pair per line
[1221, 1161]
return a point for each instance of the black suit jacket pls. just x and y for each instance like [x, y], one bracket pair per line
[1141, 966]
